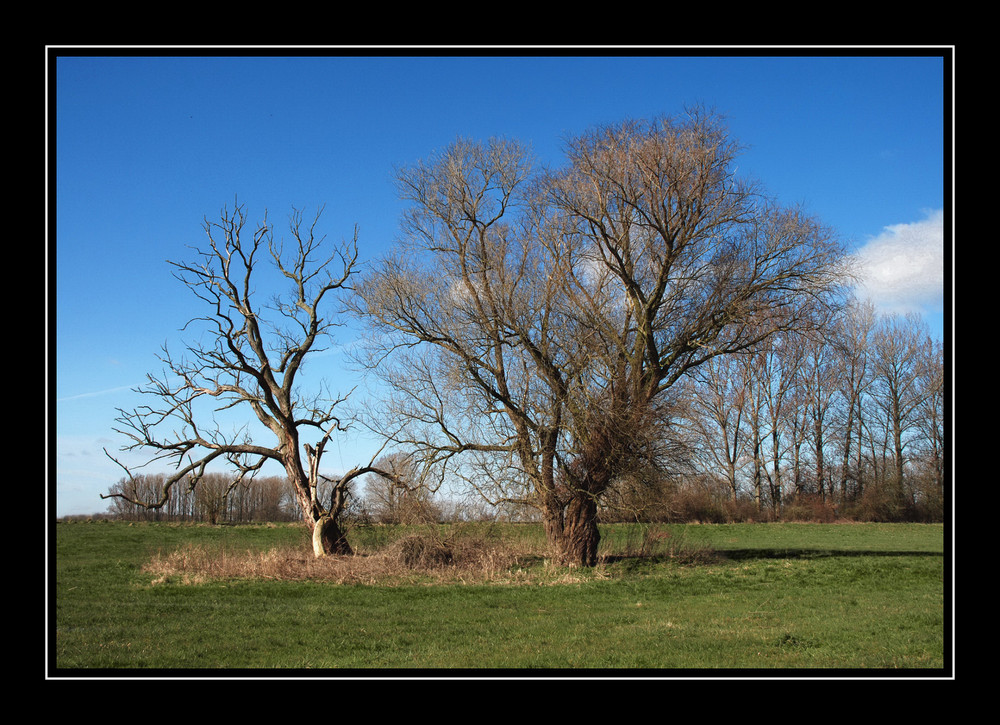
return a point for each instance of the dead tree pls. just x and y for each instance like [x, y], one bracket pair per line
[247, 363]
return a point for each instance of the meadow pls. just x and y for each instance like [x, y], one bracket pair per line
[715, 600]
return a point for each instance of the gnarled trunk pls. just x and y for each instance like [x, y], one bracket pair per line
[580, 535]
[329, 538]
[572, 532]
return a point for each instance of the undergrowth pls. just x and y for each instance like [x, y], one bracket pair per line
[426, 556]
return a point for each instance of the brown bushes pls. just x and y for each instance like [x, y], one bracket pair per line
[469, 555]
[809, 507]
[421, 551]
[709, 501]
[416, 556]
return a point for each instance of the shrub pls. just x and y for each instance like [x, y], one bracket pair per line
[744, 510]
[473, 555]
[421, 551]
[809, 507]
[877, 504]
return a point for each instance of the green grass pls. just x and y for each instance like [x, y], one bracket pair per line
[771, 597]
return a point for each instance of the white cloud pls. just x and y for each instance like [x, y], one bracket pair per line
[902, 269]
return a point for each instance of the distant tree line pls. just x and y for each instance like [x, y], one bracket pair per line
[846, 422]
[214, 500]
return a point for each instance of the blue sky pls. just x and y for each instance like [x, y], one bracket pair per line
[144, 148]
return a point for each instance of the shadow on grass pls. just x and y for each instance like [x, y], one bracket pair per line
[744, 554]
[714, 556]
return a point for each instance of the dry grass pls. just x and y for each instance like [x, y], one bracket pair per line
[412, 559]
[465, 556]
[656, 541]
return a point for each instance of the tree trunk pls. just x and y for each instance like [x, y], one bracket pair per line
[552, 520]
[580, 535]
[571, 530]
[328, 538]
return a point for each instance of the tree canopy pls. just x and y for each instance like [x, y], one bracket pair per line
[536, 319]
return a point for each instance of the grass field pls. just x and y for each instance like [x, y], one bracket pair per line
[857, 599]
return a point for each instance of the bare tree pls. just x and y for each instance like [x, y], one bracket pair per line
[852, 335]
[401, 498]
[544, 316]
[472, 335]
[212, 493]
[250, 358]
[899, 392]
[776, 367]
[719, 391]
[819, 374]
[706, 265]
[931, 417]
